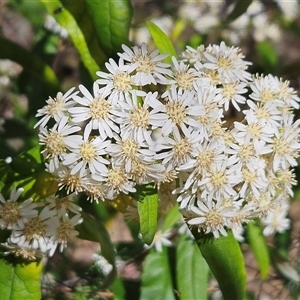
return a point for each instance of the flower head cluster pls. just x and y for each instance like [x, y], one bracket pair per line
[225, 139]
[36, 229]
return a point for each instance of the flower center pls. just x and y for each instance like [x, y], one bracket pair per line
[55, 106]
[54, 143]
[115, 178]
[176, 112]
[10, 212]
[130, 148]
[140, 117]
[184, 80]
[122, 82]
[99, 109]
[214, 219]
[87, 151]
[218, 179]
[146, 64]
[34, 228]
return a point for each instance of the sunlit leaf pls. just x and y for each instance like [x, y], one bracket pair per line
[191, 270]
[156, 277]
[90, 52]
[28, 61]
[267, 55]
[111, 20]
[147, 204]
[27, 170]
[20, 280]
[259, 247]
[171, 218]
[225, 259]
[162, 41]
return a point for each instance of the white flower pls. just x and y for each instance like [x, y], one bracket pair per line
[179, 149]
[149, 66]
[181, 111]
[97, 110]
[13, 212]
[119, 80]
[126, 150]
[63, 205]
[161, 239]
[276, 220]
[231, 93]
[286, 144]
[35, 231]
[228, 62]
[211, 217]
[63, 231]
[56, 108]
[116, 181]
[137, 119]
[85, 152]
[54, 140]
[220, 181]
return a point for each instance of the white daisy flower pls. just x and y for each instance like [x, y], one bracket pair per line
[85, 152]
[136, 119]
[56, 108]
[55, 140]
[231, 93]
[161, 239]
[211, 216]
[63, 230]
[149, 66]
[13, 212]
[126, 150]
[181, 111]
[35, 231]
[228, 62]
[276, 220]
[179, 149]
[63, 205]
[119, 80]
[96, 110]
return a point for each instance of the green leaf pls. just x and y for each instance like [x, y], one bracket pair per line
[118, 289]
[147, 204]
[82, 34]
[27, 170]
[191, 270]
[226, 261]
[95, 231]
[111, 20]
[162, 41]
[259, 247]
[156, 277]
[239, 8]
[28, 61]
[20, 281]
[171, 218]
[267, 55]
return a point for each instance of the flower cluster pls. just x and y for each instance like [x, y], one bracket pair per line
[225, 140]
[37, 229]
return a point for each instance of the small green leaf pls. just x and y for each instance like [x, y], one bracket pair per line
[28, 61]
[239, 8]
[191, 270]
[171, 218]
[162, 41]
[259, 247]
[226, 261]
[147, 204]
[20, 280]
[267, 55]
[156, 277]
